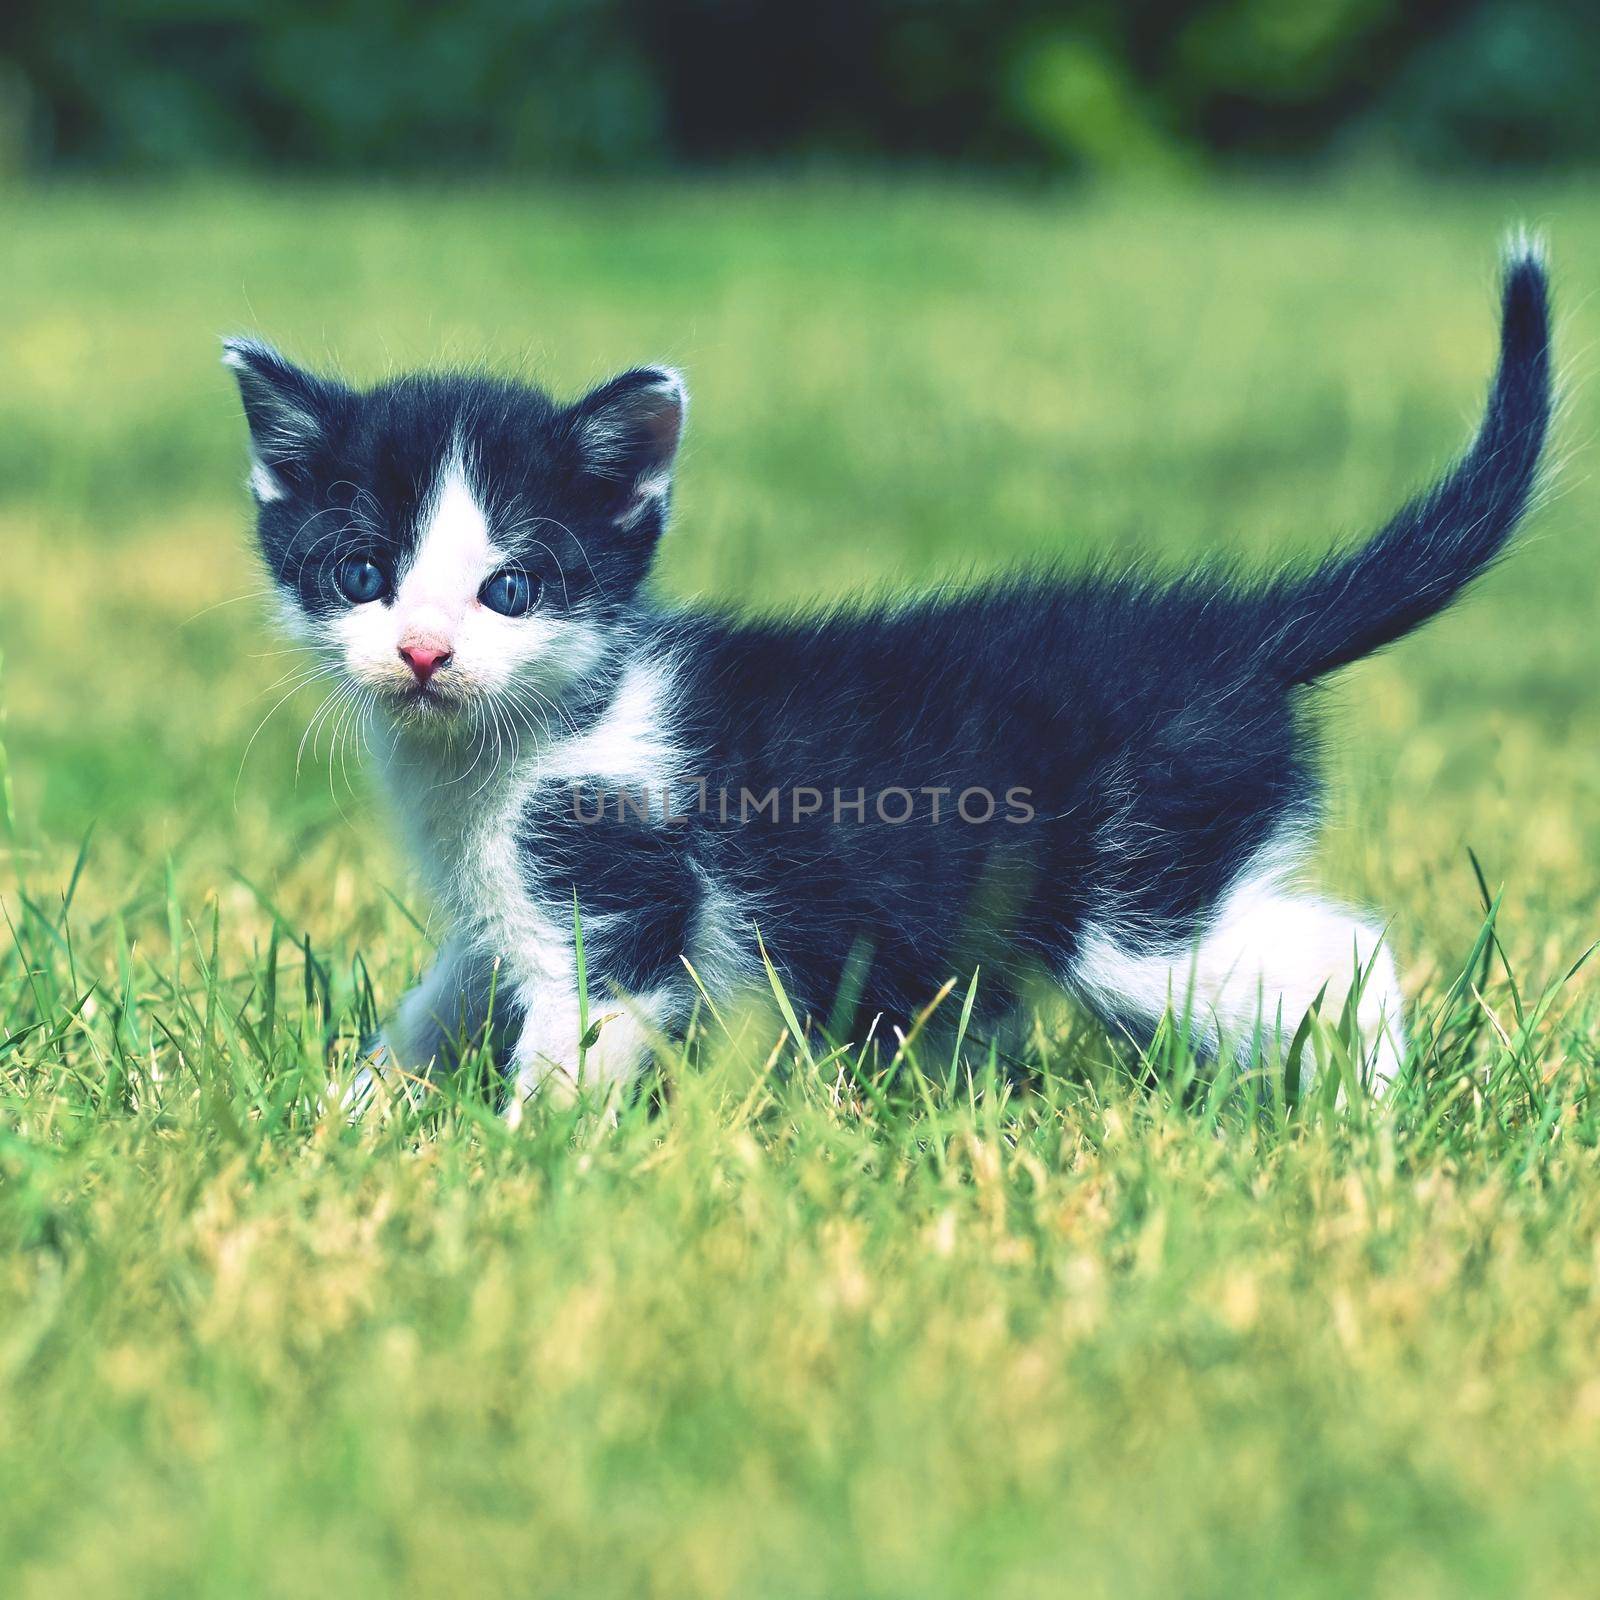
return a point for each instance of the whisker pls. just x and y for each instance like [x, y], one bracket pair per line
[316, 721]
[303, 680]
[217, 605]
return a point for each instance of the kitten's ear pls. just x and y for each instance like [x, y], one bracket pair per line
[626, 433]
[287, 409]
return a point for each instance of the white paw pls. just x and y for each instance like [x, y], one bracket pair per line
[554, 1085]
[372, 1080]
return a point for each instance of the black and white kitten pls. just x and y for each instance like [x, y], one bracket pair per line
[1103, 778]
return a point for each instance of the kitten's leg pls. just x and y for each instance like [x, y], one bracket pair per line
[1264, 969]
[450, 1005]
[1254, 975]
[546, 1059]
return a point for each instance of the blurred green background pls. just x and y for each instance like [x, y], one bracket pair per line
[585, 86]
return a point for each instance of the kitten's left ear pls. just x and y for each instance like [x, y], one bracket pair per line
[288, 411]
[626, 433]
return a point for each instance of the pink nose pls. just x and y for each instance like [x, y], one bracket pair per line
[424, 659]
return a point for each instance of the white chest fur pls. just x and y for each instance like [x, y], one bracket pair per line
[463, 827]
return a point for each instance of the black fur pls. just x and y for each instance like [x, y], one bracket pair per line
[634, 881]
[1356, 603]
[1154, 733]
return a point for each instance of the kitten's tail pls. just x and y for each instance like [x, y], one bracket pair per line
[1357, 601]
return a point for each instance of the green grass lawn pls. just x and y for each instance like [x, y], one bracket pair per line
[942, 1331]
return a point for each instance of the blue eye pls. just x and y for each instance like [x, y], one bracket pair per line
[512, 593]
[361, 580]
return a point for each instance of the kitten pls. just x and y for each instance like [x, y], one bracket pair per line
[1106, 779]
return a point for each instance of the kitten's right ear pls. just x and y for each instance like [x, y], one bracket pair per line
[626, 433]
[287, 409]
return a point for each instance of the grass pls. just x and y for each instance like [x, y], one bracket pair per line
[804, 1329]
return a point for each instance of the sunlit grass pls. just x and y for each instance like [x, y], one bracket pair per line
[803, 1319]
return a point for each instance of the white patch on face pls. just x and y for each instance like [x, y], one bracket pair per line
[455, 553]
[436, 606]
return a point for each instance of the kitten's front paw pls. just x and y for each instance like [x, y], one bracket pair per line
[356, 1098]
[553, 1085]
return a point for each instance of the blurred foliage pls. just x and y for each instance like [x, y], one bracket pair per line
[608, 85]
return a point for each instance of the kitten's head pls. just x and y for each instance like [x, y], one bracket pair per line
[452, 541]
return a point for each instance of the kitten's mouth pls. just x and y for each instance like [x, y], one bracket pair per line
[425, 700]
